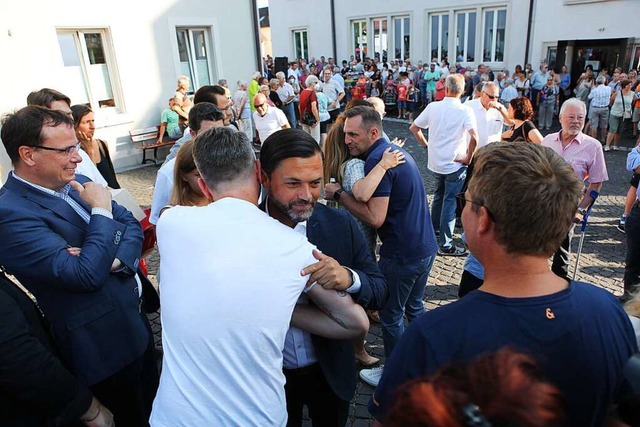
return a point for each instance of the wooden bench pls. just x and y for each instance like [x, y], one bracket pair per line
[148, 139]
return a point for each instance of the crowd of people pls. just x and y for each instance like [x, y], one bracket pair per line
[267, 290]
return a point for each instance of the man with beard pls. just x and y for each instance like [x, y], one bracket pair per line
[584, 154]
[320, 372]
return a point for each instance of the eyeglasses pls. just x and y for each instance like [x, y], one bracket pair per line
[490, 96]
[462, 202]
[65, 151]
[259, 105]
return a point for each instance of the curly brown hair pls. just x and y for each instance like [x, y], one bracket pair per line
[522, 108]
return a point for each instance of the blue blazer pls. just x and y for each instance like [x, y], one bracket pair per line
[95, 313]
[336, 234]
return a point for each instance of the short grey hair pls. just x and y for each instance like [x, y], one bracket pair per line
[280, 75]
[224, 158]
[454, 84]
[601, 80]
[311, 80]
[573, 101]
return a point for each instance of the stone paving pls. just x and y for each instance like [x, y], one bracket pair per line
[601, 263]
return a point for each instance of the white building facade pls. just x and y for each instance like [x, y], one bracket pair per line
[122, 57]
[500, 34]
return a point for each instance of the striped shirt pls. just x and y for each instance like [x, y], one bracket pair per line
[600, 96]
[583, 153]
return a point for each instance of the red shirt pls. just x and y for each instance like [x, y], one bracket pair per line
[402, 92]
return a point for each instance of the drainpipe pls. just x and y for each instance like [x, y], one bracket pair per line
[529, 28]
[256, 33]
[333, 30]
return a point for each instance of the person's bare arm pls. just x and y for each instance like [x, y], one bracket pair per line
[364, 188]
[163, 127]
[335, 316]
[466, 159]
[178, 107]
[417, 133]
[316, 113]
[535, 136]
[373, 212]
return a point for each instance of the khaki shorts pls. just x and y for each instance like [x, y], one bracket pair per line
[598, 117]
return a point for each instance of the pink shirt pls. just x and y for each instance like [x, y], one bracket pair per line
[583, 153]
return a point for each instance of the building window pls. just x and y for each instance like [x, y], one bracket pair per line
[552, 52]
[380, 39]
[194, 52]
[465, 36]
[300, 44]
[495, 21]
[359, 31]
[89, 69]
[402, 37]
[440, 36]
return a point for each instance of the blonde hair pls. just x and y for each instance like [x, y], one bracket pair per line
[632, 307]
[182, 193]
[336, 152]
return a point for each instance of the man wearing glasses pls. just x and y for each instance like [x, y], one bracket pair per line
[577, 333]
[54, 100]
[78, 253]
[585, 155]
[449, 122]
[490, 114]
[268, 120]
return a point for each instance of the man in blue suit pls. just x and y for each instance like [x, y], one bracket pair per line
[78, 252]
[320, 372]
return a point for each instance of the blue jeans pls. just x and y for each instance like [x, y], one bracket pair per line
[406, 283]
[290, 112]
[443, 209]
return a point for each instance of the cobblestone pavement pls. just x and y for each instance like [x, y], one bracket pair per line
[601, 263]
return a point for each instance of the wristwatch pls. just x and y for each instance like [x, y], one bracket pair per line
[337, 193]
[582, 211]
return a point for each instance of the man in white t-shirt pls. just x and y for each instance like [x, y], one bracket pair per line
[228, 294]
[490, 114]
[449, 122]
[268, 120]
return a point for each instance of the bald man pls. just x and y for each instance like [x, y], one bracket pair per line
[268, 119]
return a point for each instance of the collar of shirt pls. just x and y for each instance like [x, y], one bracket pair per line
[300, 227]
[64, 190]
[577, 138]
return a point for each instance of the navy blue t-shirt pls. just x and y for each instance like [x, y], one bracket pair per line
[580, 337]
[407, 233]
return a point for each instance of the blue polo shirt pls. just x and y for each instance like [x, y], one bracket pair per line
[407, 234]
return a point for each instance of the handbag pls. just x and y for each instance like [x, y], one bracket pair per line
[308, 118]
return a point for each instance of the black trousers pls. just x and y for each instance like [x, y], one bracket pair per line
[632, 264]
[308, 386]
[468, 283]
[129, 393]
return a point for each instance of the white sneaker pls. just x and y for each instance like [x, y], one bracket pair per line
[371, 376]
[615, 148]
[606, 148]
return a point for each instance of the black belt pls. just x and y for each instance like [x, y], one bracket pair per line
[595, 106]
[305, 370]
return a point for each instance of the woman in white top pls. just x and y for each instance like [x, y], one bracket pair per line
[621, 102]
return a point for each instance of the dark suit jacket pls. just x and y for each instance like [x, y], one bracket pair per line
[95, 313]
[35, 388]
[336, 234]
